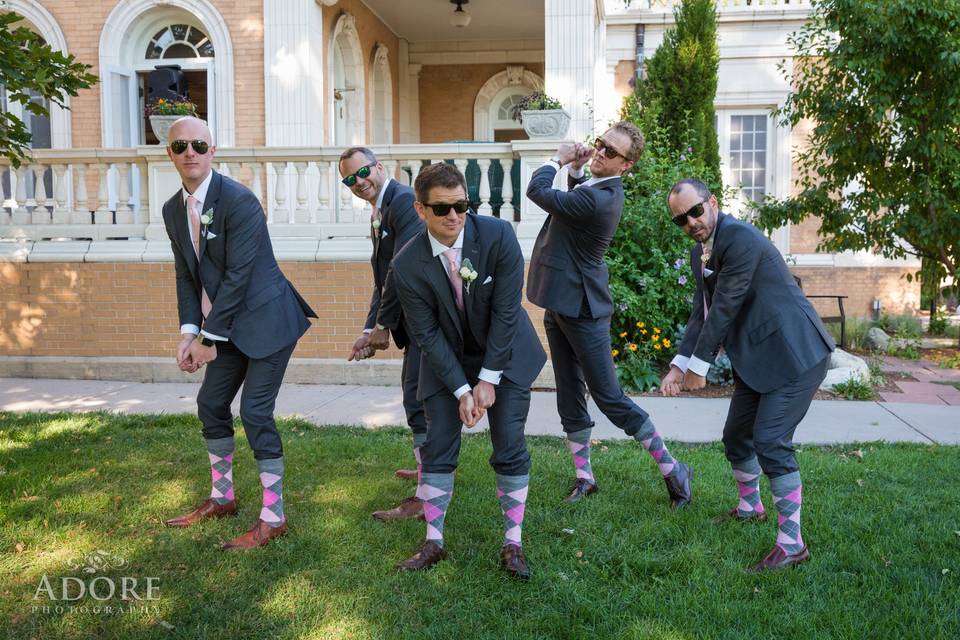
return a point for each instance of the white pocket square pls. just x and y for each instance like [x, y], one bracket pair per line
[384, 233]
[487, 281]
[211, 235]
[707, 272]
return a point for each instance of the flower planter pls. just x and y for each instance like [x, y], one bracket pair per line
[161, 126]
[548, 124]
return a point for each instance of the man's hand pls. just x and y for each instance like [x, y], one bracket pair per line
[200, 354]
[567, 153]
[379, 339]
[692, 381]
[182, 350]
[672, 382]
[484, 395]
[583, 155]
[360, 348]
[470, 413]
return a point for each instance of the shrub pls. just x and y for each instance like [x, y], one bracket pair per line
[854, 389]
[901, 326]
[857, 330]
[938, 325]
[637, 352]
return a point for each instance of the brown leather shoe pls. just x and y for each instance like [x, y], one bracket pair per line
[581, 489]
[258, 536]
[778, 559]
[209, 509]
[513, 562]
[428, 554]
[410, 508]
[678, 486]
[733, 514]
[406, 474]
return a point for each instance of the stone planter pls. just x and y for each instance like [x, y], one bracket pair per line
[161, 126]
[547, 124]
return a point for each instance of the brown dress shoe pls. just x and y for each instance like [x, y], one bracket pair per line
[410, 508]
[581, 489]
[258, 536]
[778, 559]
[209, 509]
[406, 474]
[513, 562]
[428, 554]
[678, 486]
[733, 514]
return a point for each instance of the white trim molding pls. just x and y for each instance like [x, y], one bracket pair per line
[354, 72]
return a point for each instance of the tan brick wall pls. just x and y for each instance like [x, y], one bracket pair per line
[447, 96]
[861, 285]
[130, 309]
[371, 31]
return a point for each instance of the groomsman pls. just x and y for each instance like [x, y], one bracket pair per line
[239, 316]
[460, 285]
[568, 277]
[393, 223]
[748, 303]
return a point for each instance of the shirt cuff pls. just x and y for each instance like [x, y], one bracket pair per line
[493, 377]
[368, 330]
[213, 336]
[680, 362]
[575, 172]
[462, 390]
[189, 328]
[553, 164]
[699, 366]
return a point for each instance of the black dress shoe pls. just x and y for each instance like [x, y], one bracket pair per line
[513, 562]
[678, 486]
[581, 489]
[428, 554]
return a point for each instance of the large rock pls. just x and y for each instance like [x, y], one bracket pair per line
[878, 339]
[845, 366]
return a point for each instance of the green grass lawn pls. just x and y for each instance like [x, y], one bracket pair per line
[884, 531]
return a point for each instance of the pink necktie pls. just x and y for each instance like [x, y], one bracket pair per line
[194, 211]
[453, 273]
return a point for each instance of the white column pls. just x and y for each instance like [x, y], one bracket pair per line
[409, 99]
[293, 72]
[571, 52]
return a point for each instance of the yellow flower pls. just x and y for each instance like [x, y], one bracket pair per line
[655, 337]
[623, 335]
[657, 347]
[640, 325]
[643, 331]
[615, 353]
[667, 343]
[656, 329]
[632, 347]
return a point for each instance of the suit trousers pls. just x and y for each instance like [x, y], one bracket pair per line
[410, 379]
[261, 379]
[580, 352]
[763, 424]
[508, 417]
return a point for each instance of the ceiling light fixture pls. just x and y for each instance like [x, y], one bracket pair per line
[460, 17]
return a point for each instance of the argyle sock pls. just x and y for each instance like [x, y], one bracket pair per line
[747, 475]
[648, 437]
[220, 452]
[271, 478]
[579, 444]
[435, 491]
[787, 496]
[512, 492]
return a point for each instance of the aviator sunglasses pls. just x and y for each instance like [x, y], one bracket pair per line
[693, 212]
[179, 146]
[362, 172]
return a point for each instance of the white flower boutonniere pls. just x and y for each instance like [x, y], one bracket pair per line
[467, 273]
[706, 256]
[206, 219]
[375, 223]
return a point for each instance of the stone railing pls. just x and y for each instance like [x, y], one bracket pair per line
[97, 197]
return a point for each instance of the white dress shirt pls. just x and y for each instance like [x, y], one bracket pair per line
[493, 377]
[200, 194]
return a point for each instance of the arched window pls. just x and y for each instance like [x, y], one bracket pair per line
[179, 41]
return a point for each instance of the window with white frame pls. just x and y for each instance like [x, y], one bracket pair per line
[745, 156]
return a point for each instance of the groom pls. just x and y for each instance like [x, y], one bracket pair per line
[239, 316]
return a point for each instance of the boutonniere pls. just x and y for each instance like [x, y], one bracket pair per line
[375, 223]
[206, 219]
[706, 255]
[467, 274]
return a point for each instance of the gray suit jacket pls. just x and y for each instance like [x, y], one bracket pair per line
[768, 328]
[494, 316]
[254, 306]
[567, 262]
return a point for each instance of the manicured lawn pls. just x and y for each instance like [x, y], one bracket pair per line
[884, 531]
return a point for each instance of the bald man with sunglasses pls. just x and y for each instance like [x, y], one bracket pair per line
[239, 316]
[569, 279]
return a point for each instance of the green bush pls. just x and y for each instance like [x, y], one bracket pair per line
[854, 389]
[901, 326]
[938, 325]
[857, 330]
[908, 349]
[636, 353]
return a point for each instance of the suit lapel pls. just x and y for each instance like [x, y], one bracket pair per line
[438, 279]
[470, 251]
[213, 196]
[182, 227]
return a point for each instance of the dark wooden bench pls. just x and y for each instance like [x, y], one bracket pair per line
[842, 318]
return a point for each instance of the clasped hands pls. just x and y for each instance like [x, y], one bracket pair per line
[676, 381]
[191, 355]
[576, 154]
[474, 404]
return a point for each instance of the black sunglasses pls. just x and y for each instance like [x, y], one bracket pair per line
[441, 209]
[693, 212]
[179, 146]
[609, 152]
[362, 172]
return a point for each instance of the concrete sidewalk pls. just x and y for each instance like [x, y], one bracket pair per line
[683, 419]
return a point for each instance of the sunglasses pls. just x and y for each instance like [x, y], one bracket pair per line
[609, 152]
[441, 209]
[179, 146]
[362, 172]
[693, 212]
